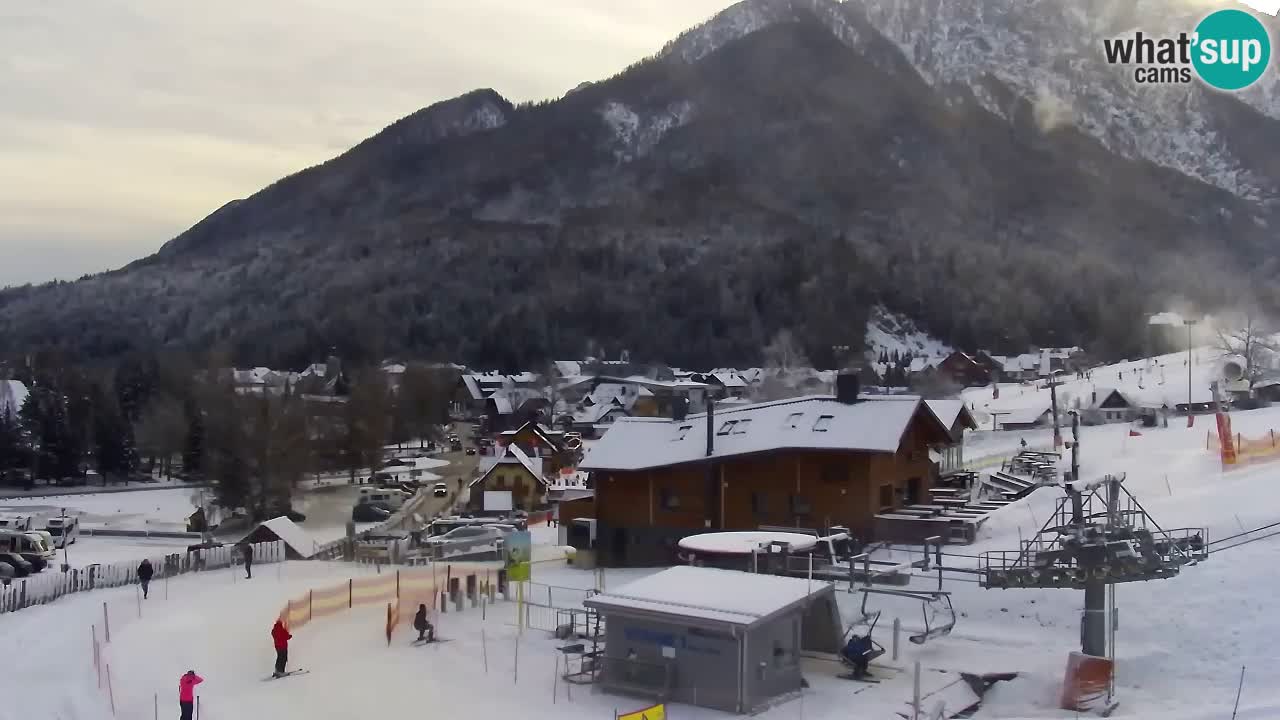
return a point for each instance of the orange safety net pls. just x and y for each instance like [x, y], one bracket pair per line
[1265, 448]
[405, 589]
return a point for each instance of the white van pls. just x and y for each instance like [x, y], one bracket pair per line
[390, 498]
[18, 523]
[64, 530]
[44, 539]
[24, 543]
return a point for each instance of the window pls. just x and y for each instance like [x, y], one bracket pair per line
[823, 422]
[792, 421]
[741, 427]
[799, 505]
[682, 431]
[886, 497]
[668, 499]
[727, 427]
[759, 503]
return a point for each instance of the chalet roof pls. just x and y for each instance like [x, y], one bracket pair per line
[948, 411]
[813, 423]
[733, 379]
[1105, 393]
[568, 368]
[512, 455]
[292, 535]
[1024, 416]
[473, 387]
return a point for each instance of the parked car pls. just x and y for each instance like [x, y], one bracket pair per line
[471, 451]
[465, 539]
[370, 512]
[204, 546]
[21, 568]
[38, 563]
[440, 490]
[7, 573]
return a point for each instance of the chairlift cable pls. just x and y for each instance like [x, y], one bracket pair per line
[1242, 534]
[1245, 542]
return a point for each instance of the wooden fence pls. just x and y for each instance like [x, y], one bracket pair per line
[49, 585]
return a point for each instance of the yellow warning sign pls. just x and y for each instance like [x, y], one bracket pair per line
[656, 712]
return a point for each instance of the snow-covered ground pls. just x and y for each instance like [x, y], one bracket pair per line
[1158, 380]
[1180, 643]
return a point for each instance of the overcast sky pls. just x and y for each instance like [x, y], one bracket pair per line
[124, 122]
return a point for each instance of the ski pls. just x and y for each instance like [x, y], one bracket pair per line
[416, 643]
[291, 672]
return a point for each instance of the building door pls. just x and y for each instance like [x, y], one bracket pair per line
[913, 491]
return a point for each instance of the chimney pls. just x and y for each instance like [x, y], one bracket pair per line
[711, 427]
[847, 387]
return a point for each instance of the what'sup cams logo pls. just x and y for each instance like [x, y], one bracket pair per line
[1229, 50]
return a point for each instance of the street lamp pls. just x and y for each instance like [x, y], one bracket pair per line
[66, 561]
[1174, 320]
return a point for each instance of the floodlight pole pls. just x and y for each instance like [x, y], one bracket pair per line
[1053, 396]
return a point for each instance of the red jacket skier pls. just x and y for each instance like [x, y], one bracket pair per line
[280, 636]
[187, 692]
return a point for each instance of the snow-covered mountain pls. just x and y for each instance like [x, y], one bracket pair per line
[1049, 53]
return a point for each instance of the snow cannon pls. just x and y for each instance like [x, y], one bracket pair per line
[1232, 370]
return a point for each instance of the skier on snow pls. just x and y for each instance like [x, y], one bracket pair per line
[145, 571]
[280, 636]
[426, 631]
[187, 691]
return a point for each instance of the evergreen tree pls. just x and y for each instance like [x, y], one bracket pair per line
[12, 447]
[193, 447]
[113, 441]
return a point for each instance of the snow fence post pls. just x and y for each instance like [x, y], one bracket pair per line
[397, 585]
[106, 622]
[897, 633]
[97, 665]
[309, 595]
[110, 693]
[350, 591]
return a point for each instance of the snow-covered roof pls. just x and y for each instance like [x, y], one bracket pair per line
[13, 394]
[292, 535]
[473, 387]
[730, 380]
[1024, 416]
[568, 368]
[513, 455]
[725, 596]
[946, 410]
[744, 543]
[1103, 393]
[815, 422]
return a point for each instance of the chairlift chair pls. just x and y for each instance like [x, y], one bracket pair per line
[940, 608]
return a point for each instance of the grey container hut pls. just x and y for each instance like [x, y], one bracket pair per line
[716, 638]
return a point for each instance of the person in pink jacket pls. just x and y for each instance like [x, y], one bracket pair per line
[187, 692]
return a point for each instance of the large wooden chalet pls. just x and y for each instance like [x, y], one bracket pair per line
[814, 462]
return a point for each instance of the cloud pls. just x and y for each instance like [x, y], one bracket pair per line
[126, 121]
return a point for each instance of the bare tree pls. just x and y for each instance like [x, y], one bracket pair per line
[1252, 337]
[784, 353]
[367, 423]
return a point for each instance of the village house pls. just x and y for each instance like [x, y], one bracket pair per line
[817, 461]
[1109, 405]
[512, 471]
[539, 441]
[969, 370]
[954, 414]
